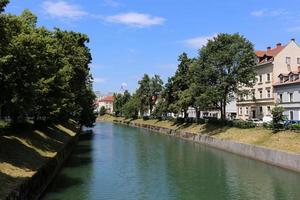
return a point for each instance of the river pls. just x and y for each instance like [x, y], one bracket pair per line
[118, 162]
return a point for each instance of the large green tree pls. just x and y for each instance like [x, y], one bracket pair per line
[178, 86]
[226, 62]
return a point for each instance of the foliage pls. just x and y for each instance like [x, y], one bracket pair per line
[102, 111]
[119, 101]
[278, 117]
[44, 74]
[243, 124]
[131, 108]
[180, 95]
[294, 127]
[224, 64]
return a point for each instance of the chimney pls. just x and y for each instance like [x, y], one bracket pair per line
[278, 44]
[268, 48]
[293, 39]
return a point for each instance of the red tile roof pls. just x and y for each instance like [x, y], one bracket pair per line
[107, 99]
[269, 54]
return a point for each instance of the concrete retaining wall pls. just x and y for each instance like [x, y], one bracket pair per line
[34, 187]
[278, 158]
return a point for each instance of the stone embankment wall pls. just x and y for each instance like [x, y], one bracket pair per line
[35, 187]
[278, 158]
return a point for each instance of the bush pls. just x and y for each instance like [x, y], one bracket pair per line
[243, 124]
[102, 111]
[146, 117]
[294, 127]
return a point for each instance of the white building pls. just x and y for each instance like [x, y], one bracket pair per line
[287, 94]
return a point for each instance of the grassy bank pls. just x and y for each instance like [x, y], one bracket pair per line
[284, 140]
[23, 152]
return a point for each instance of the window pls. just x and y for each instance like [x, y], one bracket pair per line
[298, 61]
[288, 60]
[253, 94]
[268, 77]
[280, 98]
[241, 110]
[281, 79]
[261, 109]
[291, 115]
[269, 110]
[291, 97]
[260, 78]
[247, 110]
[269, 93]
[260, 94]
[291, 77]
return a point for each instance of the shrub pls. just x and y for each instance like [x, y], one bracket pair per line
[278, 117]
[294, 127]
[102, 111]
[243, 124]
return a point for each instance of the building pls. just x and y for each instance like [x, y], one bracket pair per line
[282, 59]
[287, 94]
[107, 102]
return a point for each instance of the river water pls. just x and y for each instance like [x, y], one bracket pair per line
[117, 162]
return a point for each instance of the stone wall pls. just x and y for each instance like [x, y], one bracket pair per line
[278, 158]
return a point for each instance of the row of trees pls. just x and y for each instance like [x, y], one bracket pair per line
[44, 74]
[210, 81]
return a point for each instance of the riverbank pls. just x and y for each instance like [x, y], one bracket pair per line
[30, 159]
[281, 149]
[285, 140]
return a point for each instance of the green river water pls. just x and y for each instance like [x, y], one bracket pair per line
[117, 162]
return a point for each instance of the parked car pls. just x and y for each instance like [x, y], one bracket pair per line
[291, 122]
[267, 120]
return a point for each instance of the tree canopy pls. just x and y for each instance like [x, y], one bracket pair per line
[44, 74]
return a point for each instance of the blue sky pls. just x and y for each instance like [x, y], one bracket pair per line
[131, 37]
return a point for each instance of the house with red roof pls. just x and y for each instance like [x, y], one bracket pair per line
[107, 102]
[273, 67]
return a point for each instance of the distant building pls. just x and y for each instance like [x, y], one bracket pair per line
[272, 62]
[107, 102]
[287, 93]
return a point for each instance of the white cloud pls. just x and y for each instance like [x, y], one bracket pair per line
[135, 19]
[258, 13]
[99, 80]
[198, 42]
[269, 13]
[124, 86]
[62, 9]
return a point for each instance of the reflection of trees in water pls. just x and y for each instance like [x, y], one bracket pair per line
[75, 177]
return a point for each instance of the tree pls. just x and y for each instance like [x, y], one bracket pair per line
[278, 117]
[3, 4]
[119, 101]
[144, 94]
[156, 87]
[102, 111]
[131, 108]
[228, 62]
[179, 86]
[43, 74]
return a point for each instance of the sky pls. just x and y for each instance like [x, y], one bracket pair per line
[129, 38]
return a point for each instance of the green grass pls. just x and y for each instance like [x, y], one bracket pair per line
[24, 151]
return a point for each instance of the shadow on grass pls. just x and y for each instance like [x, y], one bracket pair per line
[28, 149]
[207, 128]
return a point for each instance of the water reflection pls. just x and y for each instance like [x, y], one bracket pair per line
[120, 162]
